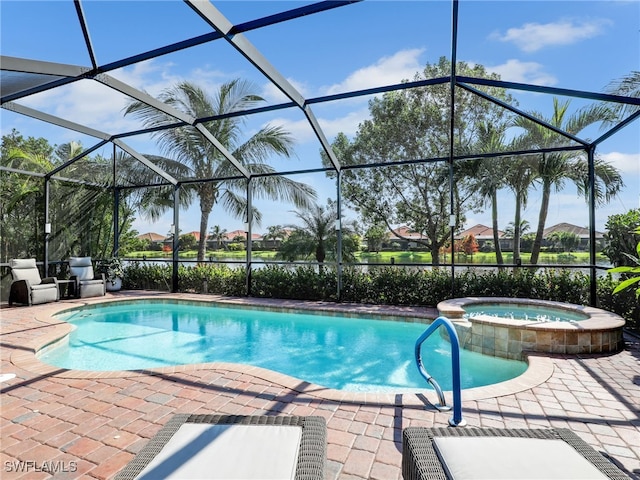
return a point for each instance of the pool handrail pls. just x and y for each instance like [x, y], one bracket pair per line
[456, 420]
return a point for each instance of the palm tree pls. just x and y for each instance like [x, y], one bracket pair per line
[518, 178]
[200, 159]
[488, 174]
[317, 236]
[218, 234]
[554, 168]
[516, 231]
[628, 86]
[274, 233]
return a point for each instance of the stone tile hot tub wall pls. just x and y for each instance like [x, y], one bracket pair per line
[509, 338]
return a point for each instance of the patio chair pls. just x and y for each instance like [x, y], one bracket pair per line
[495, 453]
[85, 282]
[233, 447]
[27, 287]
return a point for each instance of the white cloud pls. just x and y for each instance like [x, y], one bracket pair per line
[85, 102]
[403, 65]
[532, 37]
[524, 72]
[627, 163]
[272, 94]
[302, 132]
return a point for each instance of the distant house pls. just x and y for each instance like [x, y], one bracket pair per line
[482, 234]
[232, 237]
[405, 237]
[581, 232]
[152, 238]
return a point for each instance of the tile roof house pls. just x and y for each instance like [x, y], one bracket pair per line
[482, 233]
[152, 237]
[581, 232]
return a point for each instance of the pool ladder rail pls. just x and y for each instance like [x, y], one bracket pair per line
[456, 420]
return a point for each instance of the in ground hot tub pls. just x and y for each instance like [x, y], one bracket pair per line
[507, 327]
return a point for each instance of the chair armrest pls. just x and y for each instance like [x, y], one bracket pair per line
[50, 280]
[20, 292]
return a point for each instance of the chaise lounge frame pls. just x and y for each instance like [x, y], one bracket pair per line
[420, 460]
[311, 457]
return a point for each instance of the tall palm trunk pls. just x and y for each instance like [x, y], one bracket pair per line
[494, 224]
[542, 219]
[321, 254]
[207, 199]
[516, 229]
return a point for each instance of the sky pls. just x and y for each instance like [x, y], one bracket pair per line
[580, 45]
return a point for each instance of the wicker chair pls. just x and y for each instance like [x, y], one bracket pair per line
[28, 287]
[85, 282]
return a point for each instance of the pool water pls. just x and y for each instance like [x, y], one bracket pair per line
[345, 353]
[538, 313]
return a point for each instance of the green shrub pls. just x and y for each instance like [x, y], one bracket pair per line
[217, 279]
[301, 283]
[623, 303]
[143, 276]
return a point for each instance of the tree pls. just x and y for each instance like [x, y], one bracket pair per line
[187, 241]
[565, 241]
[81, 215]
[552, 169]
[375, 235]
[218, 235]
[410, 128]
[488, 174]
[631, 271]
[274, 233]
[516, 231]
[190, 151]
[317, 236]
[628, 86]
[469, 245]
[620, 239]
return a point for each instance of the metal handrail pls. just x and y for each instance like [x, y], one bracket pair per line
[456, 420]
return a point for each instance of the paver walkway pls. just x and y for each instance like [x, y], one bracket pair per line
[84, 425]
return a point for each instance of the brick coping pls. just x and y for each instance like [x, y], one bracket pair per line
[540, 366]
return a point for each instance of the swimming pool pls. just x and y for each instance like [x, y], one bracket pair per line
[346, 353]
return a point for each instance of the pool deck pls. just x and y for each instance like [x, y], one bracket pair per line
[91, 424]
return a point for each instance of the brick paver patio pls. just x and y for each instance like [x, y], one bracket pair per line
[89, 424]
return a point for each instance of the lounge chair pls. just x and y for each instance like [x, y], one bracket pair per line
[475, 453]
[28, 287]
[233, 447]
[85, 282]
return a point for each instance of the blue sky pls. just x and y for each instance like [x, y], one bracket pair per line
[580, 45]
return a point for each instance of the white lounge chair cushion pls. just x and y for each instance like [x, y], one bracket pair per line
[476, 458]
[25, 269]
[81, 267]
[205, 451]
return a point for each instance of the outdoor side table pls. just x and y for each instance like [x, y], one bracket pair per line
[66, 286]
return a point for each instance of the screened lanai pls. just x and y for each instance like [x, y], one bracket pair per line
[404, 119]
